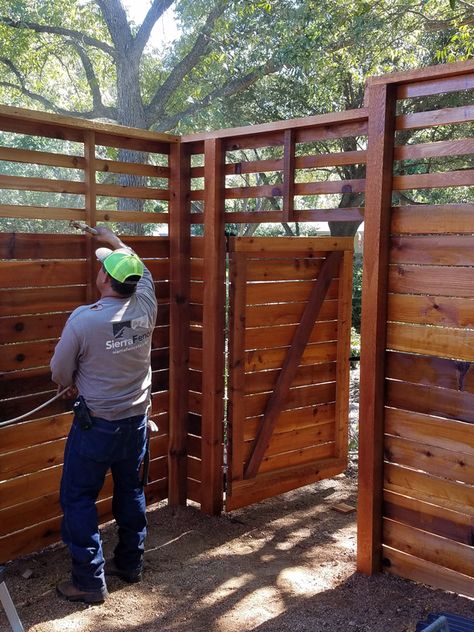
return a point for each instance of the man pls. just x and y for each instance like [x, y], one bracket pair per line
[104, 352]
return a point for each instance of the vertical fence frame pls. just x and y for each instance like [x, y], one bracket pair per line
[213, 331]
[180, 249]
[373, 328]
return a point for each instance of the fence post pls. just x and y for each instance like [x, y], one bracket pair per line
[378, 199]
[213, 329]
[91, 212]
[180, 252]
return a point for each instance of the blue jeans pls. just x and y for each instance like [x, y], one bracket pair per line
[119, 445]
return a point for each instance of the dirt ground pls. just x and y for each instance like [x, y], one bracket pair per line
[285, 564]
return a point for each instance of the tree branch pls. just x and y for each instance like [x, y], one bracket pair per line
[97, 112]
[161, 97]
[58, 30]
[91, 77]
[154, 14]
[227, 90]
[117, 23]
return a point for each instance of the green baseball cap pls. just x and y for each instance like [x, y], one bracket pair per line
[120, 264]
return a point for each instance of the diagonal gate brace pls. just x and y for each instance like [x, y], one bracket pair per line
[280, 393]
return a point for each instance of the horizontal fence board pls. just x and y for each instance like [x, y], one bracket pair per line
[19, 183]
[310, 454]
[273, 359]
[13, 408]
[42, 300]
[298, 439]
[435, 86]
[421, 571]
[311, 374]
[430, 218]
[282, 335]
[11, 154]
[430, 340]
[438, 461]
[428, 546]
[434, 371]
[429, 517]
[33, 246]
[283, 269]
[436, 280]
[285, 291]
[291, 420]
[37, 327]
[17, 211]
[139, 169]
[268, 485]
[30, 433]
[433, 118]
[26, 355]
[463, 146]
[32, 459]
[432, 431]
[285, 313]
[140, 193]
[286, 246]
[255, 405]
[29, 382]
[438, 250]
[456, 496]
[431, 310]
[430, 400]
[434, 180]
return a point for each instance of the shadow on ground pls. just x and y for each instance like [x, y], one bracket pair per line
[285, 564]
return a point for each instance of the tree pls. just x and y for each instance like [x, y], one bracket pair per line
[235, 62]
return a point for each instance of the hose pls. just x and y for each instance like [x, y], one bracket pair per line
[31, 412]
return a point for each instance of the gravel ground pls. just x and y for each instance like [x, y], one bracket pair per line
[286, 564]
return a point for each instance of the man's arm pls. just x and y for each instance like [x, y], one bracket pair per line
[64, 361]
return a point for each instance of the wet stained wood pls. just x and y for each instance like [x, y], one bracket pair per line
[438, 250]
[282, 335]
[432, 431]
[437, 341]
[255, 405]
[429, 517]
[41, 300]
[431, 370]
[435, 86]
[35, 327]
[292, 360]
[438, 461]
[297, 439]
[286, 313]
[431, 310]
[431, 279]
[424, 486]
[283, 269]
[285, 291]
[42, 273]
[424, 572]
[311, 374]
[440, 148]
[310, 417]
[378, 201]
[430, 547]
[273, 359]
[12, 408]
[434, 180]
[433, 118]
[26, 382]
[32, 246]
[429, 218]
[430, 400]
[272, 483]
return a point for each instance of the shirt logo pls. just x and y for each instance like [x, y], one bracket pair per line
[137, 323]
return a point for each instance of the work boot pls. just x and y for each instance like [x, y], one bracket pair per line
[129, 576]
[67, 590]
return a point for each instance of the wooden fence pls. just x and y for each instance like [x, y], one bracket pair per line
[415, 499]
[416, 483]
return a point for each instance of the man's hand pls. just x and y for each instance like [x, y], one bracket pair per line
[106, 236]
[71, 392]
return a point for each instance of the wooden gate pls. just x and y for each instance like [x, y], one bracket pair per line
[290, 317]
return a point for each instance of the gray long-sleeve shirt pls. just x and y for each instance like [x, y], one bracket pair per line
[105, 351]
